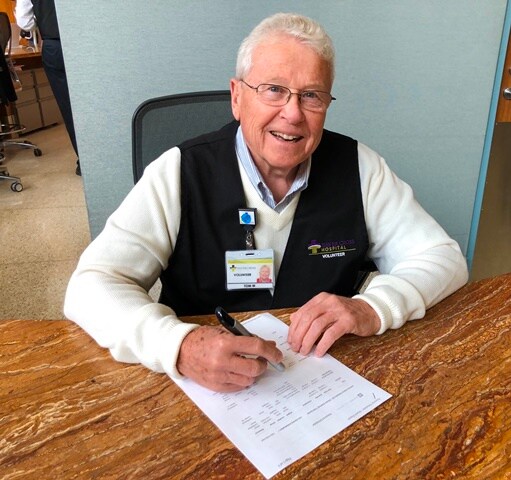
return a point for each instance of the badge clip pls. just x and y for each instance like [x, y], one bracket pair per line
[247, 217]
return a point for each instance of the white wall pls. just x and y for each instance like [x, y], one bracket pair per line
[414, 82]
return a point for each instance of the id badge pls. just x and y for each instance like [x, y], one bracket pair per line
[249, 269]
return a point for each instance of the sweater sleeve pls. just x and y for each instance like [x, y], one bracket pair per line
[108, 293]
[419, 263]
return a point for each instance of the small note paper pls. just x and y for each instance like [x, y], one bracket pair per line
[284, 416]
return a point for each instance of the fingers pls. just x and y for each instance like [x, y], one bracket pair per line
[266, 349]
[333, 332]
[308, 323]
[326, 318]
[222, 380]
[324, 329]
[216, 359]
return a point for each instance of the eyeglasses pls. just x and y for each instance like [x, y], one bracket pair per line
[278, 96]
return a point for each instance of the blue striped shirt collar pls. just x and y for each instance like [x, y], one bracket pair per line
[245, 158]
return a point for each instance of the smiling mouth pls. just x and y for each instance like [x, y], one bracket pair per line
[286, 138]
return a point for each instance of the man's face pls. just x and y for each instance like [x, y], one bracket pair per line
[280, 138]
[264, 273]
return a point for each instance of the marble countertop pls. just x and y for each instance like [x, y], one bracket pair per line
[68, 410]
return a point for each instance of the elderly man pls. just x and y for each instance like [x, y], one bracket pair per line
[312, 202]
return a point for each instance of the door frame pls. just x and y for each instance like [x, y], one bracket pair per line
[478, 202]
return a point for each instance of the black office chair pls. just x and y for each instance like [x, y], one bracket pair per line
[9, 83]
[164, 122]
[367, 268]
[7, 94]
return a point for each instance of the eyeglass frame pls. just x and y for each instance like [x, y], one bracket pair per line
[299, 93]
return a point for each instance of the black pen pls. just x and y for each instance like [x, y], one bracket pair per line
[238, 329]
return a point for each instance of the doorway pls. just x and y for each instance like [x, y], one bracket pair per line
[492, 254]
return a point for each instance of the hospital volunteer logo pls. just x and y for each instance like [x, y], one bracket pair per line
[331, 249]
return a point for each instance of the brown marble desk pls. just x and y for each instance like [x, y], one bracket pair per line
[67, 410]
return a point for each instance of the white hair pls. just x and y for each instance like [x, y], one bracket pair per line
[304, 29]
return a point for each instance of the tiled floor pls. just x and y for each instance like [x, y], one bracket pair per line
[43, 229]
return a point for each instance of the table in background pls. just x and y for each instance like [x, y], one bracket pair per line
[27, 58]
[67, 410]
[36, 106]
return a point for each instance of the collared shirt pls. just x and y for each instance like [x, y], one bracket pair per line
[299, 183]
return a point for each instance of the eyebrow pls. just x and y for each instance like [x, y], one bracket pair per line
[283, 84]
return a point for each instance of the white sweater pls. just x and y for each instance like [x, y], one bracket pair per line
[419, 263]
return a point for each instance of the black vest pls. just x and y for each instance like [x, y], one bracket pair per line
[46, 18]
[327, 242]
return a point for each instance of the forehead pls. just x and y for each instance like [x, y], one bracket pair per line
[285, 59]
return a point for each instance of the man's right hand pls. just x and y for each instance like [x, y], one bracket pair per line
[215, 358]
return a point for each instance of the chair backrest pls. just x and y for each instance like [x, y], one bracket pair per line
[164, 122]
[5, 30]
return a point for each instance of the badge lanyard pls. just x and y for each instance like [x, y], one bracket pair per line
[250, 268]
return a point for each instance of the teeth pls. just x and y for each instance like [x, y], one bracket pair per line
[288, 138]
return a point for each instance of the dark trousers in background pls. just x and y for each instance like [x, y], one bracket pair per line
[53, 63]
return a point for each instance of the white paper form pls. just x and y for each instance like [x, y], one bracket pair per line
[284, 416]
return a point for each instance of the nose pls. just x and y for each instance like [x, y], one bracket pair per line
[292, 110]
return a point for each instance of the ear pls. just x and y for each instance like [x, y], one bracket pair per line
[235, 100]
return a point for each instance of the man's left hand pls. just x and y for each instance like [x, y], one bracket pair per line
[328, 317]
